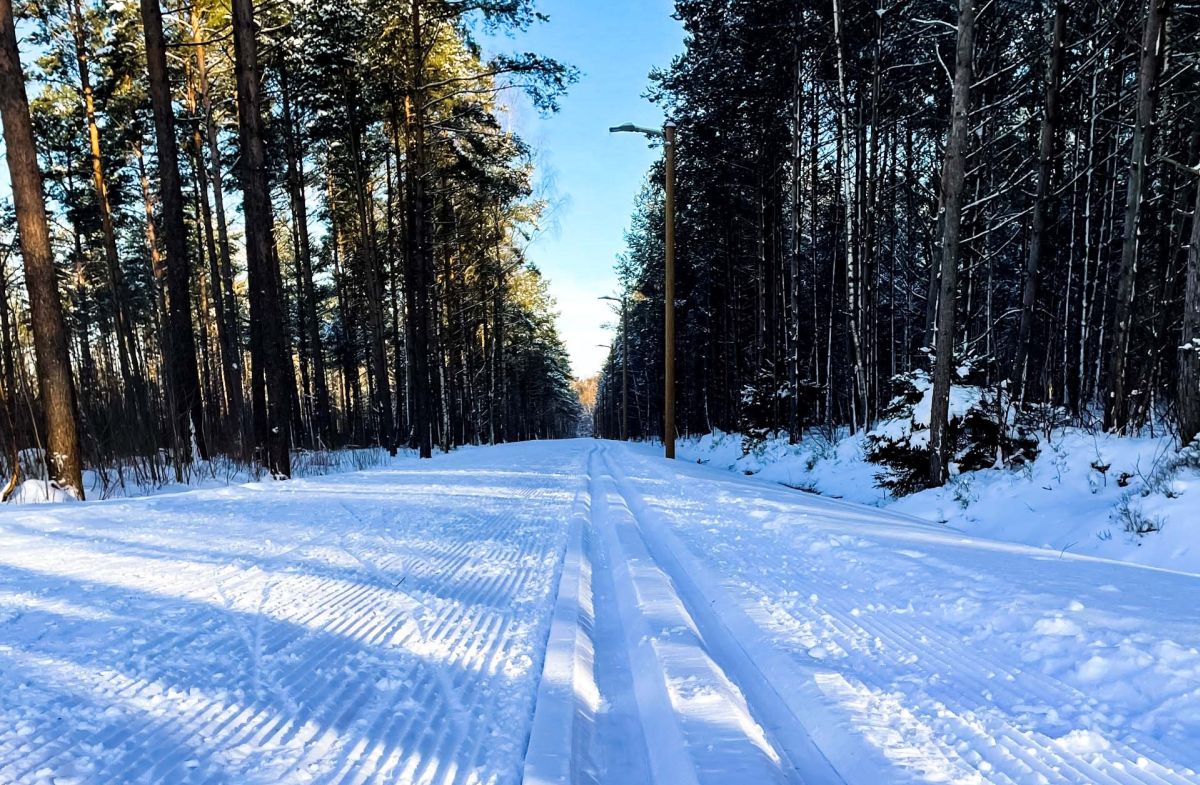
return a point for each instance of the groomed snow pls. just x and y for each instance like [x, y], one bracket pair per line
[383, 626]
[574, 611]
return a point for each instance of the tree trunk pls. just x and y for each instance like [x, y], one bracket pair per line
[270, 353]
[49, 331]
[100, 183]
[182, 375]
[1188, 390]
[793, 289]
[308, 298]
[849, 183]
[1115, 404]
[372, 278]
[156, 260]
[1037, 240]
[418, 251]
[214, 163]
[8, 380]
[218, 248]
[953, 175]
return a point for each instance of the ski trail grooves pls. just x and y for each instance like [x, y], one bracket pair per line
[838, 610]
[369, 628]
[713, 625]
[576, 612]
[568, 699]
[665, 686]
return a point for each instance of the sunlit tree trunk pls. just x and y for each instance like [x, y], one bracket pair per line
[116, 281]
[182, 374]
[270, 355]
[217, 247]
[49, 331]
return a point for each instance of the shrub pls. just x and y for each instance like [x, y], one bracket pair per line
[765, 404]
[1135, 520]
[983, 431]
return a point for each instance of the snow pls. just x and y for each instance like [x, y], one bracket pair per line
[148, 477]
[914, 430]
[373, 627]
[1062, 501]
[39, 492]
[576, 611]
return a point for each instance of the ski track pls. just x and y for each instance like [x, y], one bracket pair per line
[839, 644]
[947, 707]
[574, 612]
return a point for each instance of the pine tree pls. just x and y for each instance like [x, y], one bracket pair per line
[53, 360]
[186, 403]
[953, 175]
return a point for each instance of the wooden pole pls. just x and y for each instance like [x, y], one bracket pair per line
[624, 370]
[669, 298]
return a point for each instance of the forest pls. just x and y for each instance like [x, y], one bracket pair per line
[876, 198]
[247, 230]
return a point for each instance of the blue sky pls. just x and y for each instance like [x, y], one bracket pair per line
[590, 175]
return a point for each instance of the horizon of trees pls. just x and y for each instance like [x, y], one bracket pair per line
[374, 289]
[1002, 194]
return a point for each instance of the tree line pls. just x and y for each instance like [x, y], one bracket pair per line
[1002, 194]
[249, 229]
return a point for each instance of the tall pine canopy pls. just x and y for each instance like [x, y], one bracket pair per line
[818, 222]
[278, 227]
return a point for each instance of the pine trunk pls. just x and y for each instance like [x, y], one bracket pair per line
[1037, 240]
[308, 299]
[953, 176]
[49, 331]
[1116, 409]
[1189, 347]
[271, 357]
[418, 252]
[100, 183]
[183, 378]
[218, 247]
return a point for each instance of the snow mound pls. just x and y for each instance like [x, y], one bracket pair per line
[39, 492]
[1130, 498]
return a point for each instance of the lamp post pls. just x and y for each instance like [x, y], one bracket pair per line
[667, 134]
[624, 365]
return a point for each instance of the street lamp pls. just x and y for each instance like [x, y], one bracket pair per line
[624, 365]
[667, 134]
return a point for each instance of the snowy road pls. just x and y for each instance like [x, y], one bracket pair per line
[574, 612]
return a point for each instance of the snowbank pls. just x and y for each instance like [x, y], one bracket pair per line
[144, 477]
[1087, 493]
[39, 492]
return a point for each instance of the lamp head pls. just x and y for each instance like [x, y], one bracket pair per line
[635, 129]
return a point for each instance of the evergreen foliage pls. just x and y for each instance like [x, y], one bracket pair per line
[810, 221]
[398, 206]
